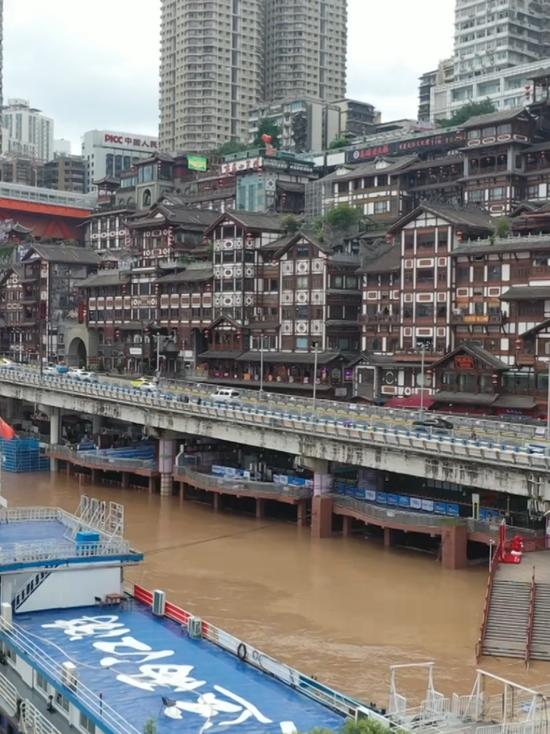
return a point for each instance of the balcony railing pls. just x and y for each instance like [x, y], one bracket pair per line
[478, 319]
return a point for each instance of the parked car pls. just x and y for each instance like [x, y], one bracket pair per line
[7, 364]
[225, 394]
[439, 424]
[50, 369]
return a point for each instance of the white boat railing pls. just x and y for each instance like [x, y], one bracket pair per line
[90, 701]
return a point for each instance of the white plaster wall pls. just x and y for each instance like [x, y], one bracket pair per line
[73, 588]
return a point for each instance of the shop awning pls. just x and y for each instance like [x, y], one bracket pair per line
[412, 402]
[465, 398]
[519, 402]
[214, 354]
[290, 357]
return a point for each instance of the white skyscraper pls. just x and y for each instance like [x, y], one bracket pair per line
[492, 36]
[26, 131]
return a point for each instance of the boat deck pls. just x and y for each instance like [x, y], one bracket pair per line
[145, 667]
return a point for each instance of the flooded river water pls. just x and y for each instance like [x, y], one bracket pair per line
[343, 610]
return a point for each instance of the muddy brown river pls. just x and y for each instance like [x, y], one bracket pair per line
[343, 610]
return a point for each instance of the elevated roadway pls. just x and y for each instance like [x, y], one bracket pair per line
[312, 432]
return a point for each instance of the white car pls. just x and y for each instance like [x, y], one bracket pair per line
[83, 375]
[225, 394]
[148, 387]
[50, 369]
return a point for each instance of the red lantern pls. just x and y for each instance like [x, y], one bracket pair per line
[267, 138]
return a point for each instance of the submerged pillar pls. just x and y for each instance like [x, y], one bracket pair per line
[167, 453]
[260, 508]
[55, 433]
[321, 517]
[454, 547]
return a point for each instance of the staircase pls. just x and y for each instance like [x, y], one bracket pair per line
[508, 619]
[29, 588]
[540, 645]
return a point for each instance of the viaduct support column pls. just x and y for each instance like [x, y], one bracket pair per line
[454, 547]
[97, 422]
[10, 409]
[55, 432]
[167, 453]
[321, 507]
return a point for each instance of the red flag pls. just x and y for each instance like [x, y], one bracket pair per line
[6, 431]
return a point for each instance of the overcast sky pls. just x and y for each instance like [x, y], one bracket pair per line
[95, 65]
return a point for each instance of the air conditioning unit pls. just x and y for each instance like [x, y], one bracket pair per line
[69, 675]
[194, 628]
[159, 603]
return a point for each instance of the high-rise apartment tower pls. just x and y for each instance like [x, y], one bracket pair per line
[211, 71]
[220, 58]
[305, 49]
[491, 36]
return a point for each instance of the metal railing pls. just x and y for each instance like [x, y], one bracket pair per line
[531, 618]
[295, 419]
[109, 462]
[55, 550]
[236, 486]
[487, 602]
[403, 517]
[14, 636]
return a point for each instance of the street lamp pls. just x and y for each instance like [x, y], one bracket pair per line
[548, 406]
[261, 365]
[422, 377]
[315, 359]
[158, 355]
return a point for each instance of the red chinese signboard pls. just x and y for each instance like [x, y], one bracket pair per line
[464, 362]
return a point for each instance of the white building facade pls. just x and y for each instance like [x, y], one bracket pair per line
[108, 153]
[26, 131]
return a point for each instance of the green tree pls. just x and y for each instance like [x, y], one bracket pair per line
[268, 127]
[364, 726]
[232, 146]
[150, 727]
[343, 217]
[338, 143]
[502, 227]
[291, 223]
[471, 109]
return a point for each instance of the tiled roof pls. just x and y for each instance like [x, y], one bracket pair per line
[104, 278]
[65, 254]
[492, 118]
[188, 276]
[389, 261]
[526, 292]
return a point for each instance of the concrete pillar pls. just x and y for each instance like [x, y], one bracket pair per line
[454, 547]
[152, 483]
[216, 501]
[68, 468]
[166, 485]
[124, 480]
[260, 508]
[322, 480]
[95, 476]
[10, 409]
[388, 538]
[55, 433]
[167, 453]
[347, 523]
[301, 513]
[321, 518]
[97, 422]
